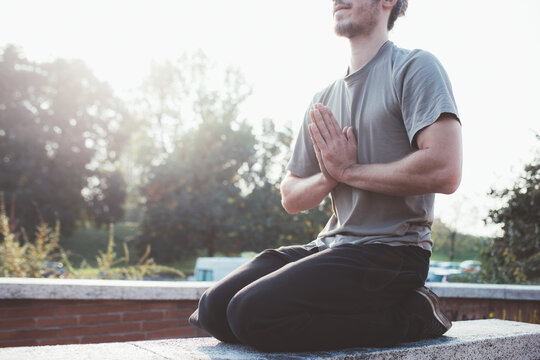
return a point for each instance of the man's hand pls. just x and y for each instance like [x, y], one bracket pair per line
[318, 154]
[336, 149]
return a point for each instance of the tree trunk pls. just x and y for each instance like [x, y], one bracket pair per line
[211, 245]
[452, 245]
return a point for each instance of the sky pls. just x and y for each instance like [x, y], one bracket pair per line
[287, 51]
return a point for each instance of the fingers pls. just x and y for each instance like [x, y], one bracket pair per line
[326, 119]
[349, 135]
[318, 140]
[330, 121]
[318, 154]
[326, 128]
[318, 130]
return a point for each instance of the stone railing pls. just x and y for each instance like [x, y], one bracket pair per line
[64, 311]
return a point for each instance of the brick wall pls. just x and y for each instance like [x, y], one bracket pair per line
[458, 309]
[51, 322]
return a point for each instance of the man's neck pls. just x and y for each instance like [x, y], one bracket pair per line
[364, 48]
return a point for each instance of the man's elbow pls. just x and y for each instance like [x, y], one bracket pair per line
[285, 199]
[449, 181]
[287, 206]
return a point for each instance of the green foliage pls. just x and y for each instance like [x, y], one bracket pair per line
[179, 96]
[27, 259]
[146, 267]
[192, 197]
[515, 256]
[213, 186]
[266, 224]
[60, 142]
[87, 240]
[32, 259]
[474, 278]
[466, 247]
[108, 260]
[191, 177]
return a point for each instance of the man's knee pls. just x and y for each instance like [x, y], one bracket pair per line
[201, 316]
[244, 312]
[211, 316]
[237, 316]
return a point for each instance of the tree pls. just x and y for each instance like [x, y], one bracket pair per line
[192, 199]
[191, 180]
[267, 224]
[514, 257]
[178, 96]
[60, 138]
[453, 244]
[209, 184]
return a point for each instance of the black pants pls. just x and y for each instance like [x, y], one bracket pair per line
[294, 299]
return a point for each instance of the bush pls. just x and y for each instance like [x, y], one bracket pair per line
[514, 257]
[145, 267]
[42, 257]
[29, 259]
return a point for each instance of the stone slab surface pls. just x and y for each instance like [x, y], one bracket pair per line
[81, 289]
[486, 291]
[116, 351]
[468, 340]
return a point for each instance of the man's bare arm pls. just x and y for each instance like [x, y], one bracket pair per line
[434, 168]
[299, 194]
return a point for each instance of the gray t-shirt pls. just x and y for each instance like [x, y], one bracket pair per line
[395, 95]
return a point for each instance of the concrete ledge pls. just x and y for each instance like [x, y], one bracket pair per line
[478, 339]
[75, 289]
[486, 291]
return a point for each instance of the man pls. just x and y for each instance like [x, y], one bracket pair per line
[386, 139]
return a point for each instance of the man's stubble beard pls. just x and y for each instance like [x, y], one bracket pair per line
[355, 27]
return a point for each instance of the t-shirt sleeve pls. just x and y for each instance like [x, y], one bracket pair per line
[303, 162]
[426, 92]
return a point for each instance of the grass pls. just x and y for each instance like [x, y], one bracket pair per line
[86, 242]
[110, 264]
[186, 266]
[444, 257]
[88, 273]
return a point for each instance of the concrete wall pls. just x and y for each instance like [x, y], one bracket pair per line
[62, 311]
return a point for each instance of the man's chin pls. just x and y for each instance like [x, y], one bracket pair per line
[345, 30]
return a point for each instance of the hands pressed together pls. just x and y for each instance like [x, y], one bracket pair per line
[335, 148]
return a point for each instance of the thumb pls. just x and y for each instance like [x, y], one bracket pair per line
[351, 137]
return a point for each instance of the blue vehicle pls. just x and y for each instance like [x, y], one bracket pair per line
[442, 271]
[216, 268]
